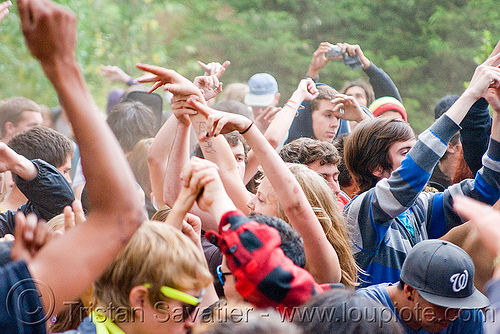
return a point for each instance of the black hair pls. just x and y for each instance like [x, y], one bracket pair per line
[291, 241]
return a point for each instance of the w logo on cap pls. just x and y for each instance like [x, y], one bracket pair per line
[459, 281]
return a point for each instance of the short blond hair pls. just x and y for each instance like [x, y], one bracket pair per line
[157, 254]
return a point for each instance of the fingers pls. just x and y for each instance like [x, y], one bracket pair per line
[223, 68]
[78, 211]
[4, 9]
[493, 60]
[217, 121]
[204, 66]
[199, 106]
[69, 218]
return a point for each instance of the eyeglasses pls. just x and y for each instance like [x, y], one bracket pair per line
[222, 275]
[190, 302]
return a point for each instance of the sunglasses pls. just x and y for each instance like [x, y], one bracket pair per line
[222, 275]
[189, 302]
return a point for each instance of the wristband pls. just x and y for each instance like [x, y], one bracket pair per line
[496, 261]
[246, 130]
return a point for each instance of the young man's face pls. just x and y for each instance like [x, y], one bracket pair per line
[29, 120]
[397, 152]
[329, 172]
[325, 124]
[432, 318]
[65, 169]
[166, 317]
[240, 157]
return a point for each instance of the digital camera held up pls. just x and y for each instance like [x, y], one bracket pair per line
[352, 62]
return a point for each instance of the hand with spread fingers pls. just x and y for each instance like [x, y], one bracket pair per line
[346, 107]
[173, 81]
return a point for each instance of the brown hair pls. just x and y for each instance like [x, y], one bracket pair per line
[367, 147]
[44, 143]
[325, 93]
[306, 151]
[370, 95]
[11, 110]
[138, 161]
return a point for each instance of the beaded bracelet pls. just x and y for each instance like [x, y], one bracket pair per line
[246, 130]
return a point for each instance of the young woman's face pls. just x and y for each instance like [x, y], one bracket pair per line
[264, 202]
[325, 124]
[359, 95]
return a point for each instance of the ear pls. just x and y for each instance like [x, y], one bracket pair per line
[452, 149]
[139, 296]
[9, 128]
[410, 293]
[378, 172]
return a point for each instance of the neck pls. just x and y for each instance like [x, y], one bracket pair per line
[449, 165]
[401, 302]
[15, 199]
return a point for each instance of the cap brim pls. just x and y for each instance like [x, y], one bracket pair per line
[259, 100]
[474, 301]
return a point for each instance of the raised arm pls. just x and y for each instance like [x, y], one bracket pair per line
[380, 81]
[87, 249]
[321, 257]
[287, 286]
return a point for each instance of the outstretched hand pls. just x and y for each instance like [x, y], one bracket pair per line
[353, 50]
[114, 73]
[4, 9]
[209, 84]
[173, 81]
[319, 59]
[49, 30]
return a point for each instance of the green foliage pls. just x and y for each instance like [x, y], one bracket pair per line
[429, 48]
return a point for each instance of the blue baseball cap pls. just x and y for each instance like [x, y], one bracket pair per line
[263, 89]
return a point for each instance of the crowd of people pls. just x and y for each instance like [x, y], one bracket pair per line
[209, 209]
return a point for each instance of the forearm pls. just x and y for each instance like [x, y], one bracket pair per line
[90, 131]
[170, 153]
[321, 257]
[495, 127]
[381, 82]
[281, 123]
[25, 169]
[217, 150]
[475, 134]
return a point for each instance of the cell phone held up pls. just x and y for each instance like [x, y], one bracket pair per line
[352, 62]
